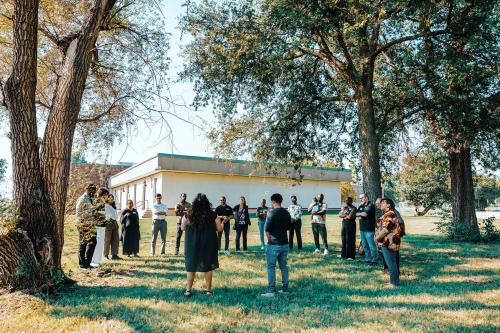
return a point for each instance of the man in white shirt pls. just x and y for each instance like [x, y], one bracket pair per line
[159, 224]
[295, 211]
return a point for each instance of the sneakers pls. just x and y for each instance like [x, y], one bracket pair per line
[262, 248]
[339, 256]
[316, 251]
[325, 252]
[284, 291]
[268, 294]
[227, 252]
[350, 259]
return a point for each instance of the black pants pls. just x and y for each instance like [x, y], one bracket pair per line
[239, 231]
[295, 229]
[348, 239]
[178, 238]
[86, 252]
[397, 262]
[226, 230]
[319, 229]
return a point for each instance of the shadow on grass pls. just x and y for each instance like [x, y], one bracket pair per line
[312, 303]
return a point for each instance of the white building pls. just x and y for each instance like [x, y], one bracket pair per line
[172, 175]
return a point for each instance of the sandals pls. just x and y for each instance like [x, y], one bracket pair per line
[188, 293]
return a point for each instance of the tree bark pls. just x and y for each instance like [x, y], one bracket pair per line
[61, 124]
[29, 246]
[462, 191]
[368, 142]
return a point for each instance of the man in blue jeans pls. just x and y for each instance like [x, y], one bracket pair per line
[278, 223]
[262, 216]
[366, 213]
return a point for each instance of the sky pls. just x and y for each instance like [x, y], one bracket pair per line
[187, 139]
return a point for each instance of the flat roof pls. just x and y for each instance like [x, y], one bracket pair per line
[221, 166]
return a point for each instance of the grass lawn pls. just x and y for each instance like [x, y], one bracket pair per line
[445, 287]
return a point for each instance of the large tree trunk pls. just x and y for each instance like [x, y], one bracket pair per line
[462, 191]
[28, 247]
[369, 144]
[59, 133]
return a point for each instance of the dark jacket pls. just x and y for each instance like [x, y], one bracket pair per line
[236, 210]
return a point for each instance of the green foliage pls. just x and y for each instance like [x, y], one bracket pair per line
[424, 179]
[490, 232]
[3, 169]
[23, 270]
[9, 216]
[286, 77]
[487, 190]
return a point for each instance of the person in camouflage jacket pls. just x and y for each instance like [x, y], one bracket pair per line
[85, 226]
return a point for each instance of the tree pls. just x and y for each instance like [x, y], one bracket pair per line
[293, 80]
[84, 85]
[424, 180]
[459, 75]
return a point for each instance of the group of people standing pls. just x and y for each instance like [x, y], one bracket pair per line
[381, 230]
[97, 208]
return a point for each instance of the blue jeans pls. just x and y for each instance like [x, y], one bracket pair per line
[277, 253]
[392, 265]
[261, 232]
[368, 241]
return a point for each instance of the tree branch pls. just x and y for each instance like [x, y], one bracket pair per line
[388, 45]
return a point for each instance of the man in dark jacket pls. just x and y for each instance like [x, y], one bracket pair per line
[277, 224]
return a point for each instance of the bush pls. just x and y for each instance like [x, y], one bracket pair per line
[489, 231]
[463, 232]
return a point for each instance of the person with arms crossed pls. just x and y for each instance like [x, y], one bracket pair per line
[366, 213]
[225, 212]
[348, 216]
[318, 223]
[295, 211]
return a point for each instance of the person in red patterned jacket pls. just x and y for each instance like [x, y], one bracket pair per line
[388, 238]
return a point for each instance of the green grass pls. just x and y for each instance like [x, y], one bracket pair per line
[446, 287]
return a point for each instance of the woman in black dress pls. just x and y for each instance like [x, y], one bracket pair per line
[241, 222]
[201, 225]
[131, 233]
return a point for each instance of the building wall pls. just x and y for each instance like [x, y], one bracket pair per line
[141, 191]
[253, 188]
[82, 174]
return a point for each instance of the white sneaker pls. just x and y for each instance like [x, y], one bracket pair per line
[325, 252]
[317, 251]
[350, 259]
[268, 294]
[227, 252]
[262, 248]
[339, 256]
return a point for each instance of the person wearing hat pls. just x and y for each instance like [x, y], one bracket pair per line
[85, 226]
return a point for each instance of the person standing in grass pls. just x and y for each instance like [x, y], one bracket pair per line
[401, 226]
[366, 213]
[131, 232]
[388, 238]
[295, 211]
[278, 223]
[181, 210]
[225, 213]
[318, 223]
[348, 216]
[111, 237]
[201, 225]
[86, 227]
[241, 222]
[159, 224]
[261, 216]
